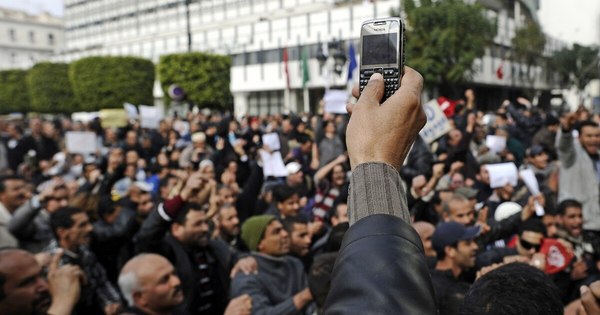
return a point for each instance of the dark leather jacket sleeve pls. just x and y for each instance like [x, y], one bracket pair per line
[381, 270]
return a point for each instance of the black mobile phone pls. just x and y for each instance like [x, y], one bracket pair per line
[382, 50]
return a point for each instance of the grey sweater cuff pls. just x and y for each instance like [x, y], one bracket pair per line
[376, 188]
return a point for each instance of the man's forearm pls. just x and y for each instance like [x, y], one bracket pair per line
[376, 188]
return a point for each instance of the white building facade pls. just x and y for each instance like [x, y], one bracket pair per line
[255, 32]
[27, 39]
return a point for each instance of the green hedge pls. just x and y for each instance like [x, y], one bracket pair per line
[108, 82]
[204, 77]
[13, 91]
[50, 89]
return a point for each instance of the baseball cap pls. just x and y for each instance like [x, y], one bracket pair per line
[535, 150]
[293, 168]
[449, 233]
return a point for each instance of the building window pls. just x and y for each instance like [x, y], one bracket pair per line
[31, 37]
[12, 35]
[50, 39]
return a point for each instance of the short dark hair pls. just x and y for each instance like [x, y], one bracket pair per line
[533, 225]
[515, 288]
[303, 138]
[568, 203]
[585, 123]
[182, 214]
[440, 253]
[288, 222]
[319, 277]
[283, 192]
[62, 218]
[5, 178]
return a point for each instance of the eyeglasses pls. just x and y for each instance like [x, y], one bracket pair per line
[526, 245]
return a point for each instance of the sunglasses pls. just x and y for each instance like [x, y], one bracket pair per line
[526, 245]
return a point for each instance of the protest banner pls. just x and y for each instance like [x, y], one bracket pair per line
[83, 142]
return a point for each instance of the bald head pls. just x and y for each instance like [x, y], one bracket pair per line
[423, 228]
[149, 282]
[23, 290]
[425, 231]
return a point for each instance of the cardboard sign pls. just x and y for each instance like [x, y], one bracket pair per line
[113, 118]
[150, 117]
[496, 144]
[272, 140]
[273, 164]
[83, 142]
[335, 101]
[437, 123]
[502, 174]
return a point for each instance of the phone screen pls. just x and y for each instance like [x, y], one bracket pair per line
[380, 49]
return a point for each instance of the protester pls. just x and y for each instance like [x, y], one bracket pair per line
[284, 288]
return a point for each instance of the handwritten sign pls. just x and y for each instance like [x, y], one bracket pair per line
[437, 123]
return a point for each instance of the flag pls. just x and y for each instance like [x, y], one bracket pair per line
[500, 71]
[285, 67]
[305, 73]
[352, 64]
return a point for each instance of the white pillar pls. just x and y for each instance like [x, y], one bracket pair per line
[240, 104]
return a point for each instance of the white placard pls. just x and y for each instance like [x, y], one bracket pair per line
[132, 112]
[502, 174]
[437, 124]
[273, 164]
[496, 144]
[528, 176]
[80, 142]
[150, 117]
[272, 141]
[335, 101]
[84, 117]
[183, 127]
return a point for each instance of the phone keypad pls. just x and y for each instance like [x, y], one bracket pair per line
[391, 78]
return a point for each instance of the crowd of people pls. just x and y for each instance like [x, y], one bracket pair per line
[184, 221]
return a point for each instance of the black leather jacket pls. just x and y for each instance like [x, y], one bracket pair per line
[381, 270]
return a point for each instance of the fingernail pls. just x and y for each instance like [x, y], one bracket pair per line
[376, 76]
[583, 289]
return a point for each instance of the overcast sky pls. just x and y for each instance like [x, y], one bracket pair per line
[574, 21]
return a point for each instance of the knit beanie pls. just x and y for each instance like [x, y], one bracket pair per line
[254, 228]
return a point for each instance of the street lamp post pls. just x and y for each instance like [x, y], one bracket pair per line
[187, 18]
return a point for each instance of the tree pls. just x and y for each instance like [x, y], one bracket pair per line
[13, 91]
[445, 37]
[108, 82]
[528, 48]
[205, 78]
[49, 88]
[577, 65]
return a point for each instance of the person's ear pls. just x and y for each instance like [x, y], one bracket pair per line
[177, 230]
[450, 251]
[139, 299]
[62, 233]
